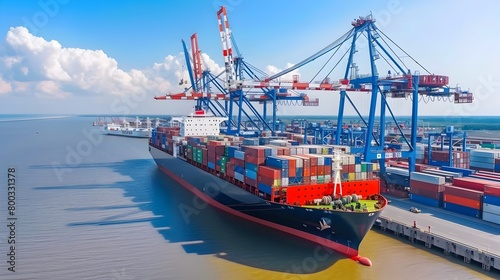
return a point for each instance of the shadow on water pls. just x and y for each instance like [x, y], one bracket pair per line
[180, 217]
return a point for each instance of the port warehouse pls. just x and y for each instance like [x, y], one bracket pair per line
[275, 167]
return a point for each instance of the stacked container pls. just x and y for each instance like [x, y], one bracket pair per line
[426, 188]
[463, 201]
[482, 159]
[442, 158]
[491, 203]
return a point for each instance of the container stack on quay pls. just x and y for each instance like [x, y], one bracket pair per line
[426, 188]
[464, 191]
[485, 159]
[442, 158]
[491, 204]
[463, 200]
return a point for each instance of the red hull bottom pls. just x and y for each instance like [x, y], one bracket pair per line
[349, 252]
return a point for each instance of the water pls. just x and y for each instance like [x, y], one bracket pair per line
[92, 206]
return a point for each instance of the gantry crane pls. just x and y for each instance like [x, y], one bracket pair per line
[400, 83]
[237, 96]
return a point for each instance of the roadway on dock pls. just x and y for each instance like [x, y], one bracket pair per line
[472, 231]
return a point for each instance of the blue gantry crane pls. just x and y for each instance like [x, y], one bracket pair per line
[238, 97]
[399, 82]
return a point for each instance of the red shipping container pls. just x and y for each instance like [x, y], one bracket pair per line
[254, 151]
[425, 193]
[267, 181]
[255, 160]
[345, 169]
[351, 168]
[214, 143]
[424, 185]
[462, 201]
[493, 190]
[239, 162]
[471, 183]
[269, 172]
[463, 192]
[313, 159]
[251, 182]
[314, 171]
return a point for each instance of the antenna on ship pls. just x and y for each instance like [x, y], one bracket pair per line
[337, 170]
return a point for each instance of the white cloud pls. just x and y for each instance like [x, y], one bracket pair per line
[48, 69]
[271, 70]
[5, 87]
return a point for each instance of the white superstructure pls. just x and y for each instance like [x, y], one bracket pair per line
[199, 124]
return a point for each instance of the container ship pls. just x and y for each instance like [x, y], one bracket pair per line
[316, 192]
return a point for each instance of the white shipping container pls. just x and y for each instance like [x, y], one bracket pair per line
[357, 167]
[428, 178]
[489, 217]
[491, 208]
[284, 182]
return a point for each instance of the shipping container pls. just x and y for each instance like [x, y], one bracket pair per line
[463, 192]
[492, 190]
[491, 199]
[428, 178]
[493, 218]
[467, 202]
[462, 210]
[491, 208]
[427, 186]
[425, 200]
[426, 193]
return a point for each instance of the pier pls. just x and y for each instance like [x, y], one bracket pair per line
[474, 240]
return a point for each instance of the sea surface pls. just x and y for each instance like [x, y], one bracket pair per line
[94, 206]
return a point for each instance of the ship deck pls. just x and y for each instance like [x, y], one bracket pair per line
[368, 204]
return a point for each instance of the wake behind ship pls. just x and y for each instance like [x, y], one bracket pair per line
[274, 181]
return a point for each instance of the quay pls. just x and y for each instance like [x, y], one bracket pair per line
[474, 240]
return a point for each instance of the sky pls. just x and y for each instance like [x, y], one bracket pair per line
[113, 57]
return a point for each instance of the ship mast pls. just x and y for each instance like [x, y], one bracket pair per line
[337, 170]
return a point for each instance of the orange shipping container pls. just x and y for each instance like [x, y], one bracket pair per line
[475, 204]
[307, 172]
[321, 170]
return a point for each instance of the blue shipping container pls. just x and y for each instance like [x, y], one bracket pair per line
[251, 174]
[265, 188]
[425, 200]
[239, 177]
[471, 212]
[251, 166]
[239, 169]
[464, 171]
[211, 165]
[491, 199]
[277, 162]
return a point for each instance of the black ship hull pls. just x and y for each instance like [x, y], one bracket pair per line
[339, 230]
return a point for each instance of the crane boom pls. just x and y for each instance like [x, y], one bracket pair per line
[227, 50]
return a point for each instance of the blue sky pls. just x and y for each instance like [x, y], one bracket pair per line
[112, 57]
